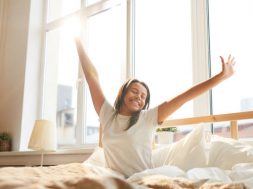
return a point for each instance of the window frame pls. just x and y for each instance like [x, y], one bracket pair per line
[200, 54]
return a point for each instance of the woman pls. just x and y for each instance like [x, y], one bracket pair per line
[127, 127]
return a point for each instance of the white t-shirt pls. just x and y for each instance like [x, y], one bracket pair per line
[127, 151]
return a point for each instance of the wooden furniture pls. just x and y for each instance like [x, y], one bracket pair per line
[233, 118]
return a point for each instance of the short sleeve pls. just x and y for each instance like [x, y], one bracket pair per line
[106, 113]
[151, 116]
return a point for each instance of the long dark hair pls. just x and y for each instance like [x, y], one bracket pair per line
[120, 99]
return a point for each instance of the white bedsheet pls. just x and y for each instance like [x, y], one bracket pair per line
[223, 160]
[240, 173]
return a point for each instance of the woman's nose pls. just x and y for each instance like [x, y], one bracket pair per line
[138, 96]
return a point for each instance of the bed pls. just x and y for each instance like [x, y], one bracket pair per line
[198, 160]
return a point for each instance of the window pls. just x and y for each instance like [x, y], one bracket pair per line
[90, 2]
[162, 48]
[60, 81]
[60, 8]
[65, 94]
[163, 43]
[231, 33]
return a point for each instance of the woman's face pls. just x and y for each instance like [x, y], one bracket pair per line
[134, 99]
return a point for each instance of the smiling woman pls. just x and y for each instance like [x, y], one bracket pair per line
[116, 34]
[129, 123]
[133, 96]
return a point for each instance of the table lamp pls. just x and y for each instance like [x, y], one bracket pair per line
[43, 137]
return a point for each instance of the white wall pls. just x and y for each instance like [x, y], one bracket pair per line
[19, 64]
[33, 77]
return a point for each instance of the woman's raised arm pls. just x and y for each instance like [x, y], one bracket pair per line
[168, 107]
[91, 76]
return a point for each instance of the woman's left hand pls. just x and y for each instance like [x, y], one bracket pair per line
[228, 66]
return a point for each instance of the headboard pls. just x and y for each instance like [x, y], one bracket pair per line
[233, 118]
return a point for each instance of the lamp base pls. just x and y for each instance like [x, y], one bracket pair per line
[41, 159]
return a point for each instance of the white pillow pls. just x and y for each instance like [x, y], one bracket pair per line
[226, 152]
[159, 155]
[187, 153]
[97, 157]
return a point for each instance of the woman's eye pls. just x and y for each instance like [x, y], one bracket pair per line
[135, 92]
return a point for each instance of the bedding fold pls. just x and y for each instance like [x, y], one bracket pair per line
[80, 175]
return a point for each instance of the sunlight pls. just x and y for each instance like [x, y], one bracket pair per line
[72, 27]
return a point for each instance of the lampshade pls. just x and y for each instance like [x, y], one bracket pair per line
[43, 136]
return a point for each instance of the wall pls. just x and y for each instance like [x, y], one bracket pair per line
[17, 70]
[50, 158]
[33, 78]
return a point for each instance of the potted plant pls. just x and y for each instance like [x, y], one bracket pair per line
[165, 135]
[5, 142]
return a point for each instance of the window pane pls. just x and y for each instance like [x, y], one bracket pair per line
[106, 47]
[59, 8]
[231, 33]
[163, 52]
[60, 94]
[163, 49]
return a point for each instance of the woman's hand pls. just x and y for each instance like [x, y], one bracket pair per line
[228, 66]
[167, 108]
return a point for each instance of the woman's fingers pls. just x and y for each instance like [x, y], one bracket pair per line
[230, 60]
[222, 60]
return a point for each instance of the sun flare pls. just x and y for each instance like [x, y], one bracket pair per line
[72, 27]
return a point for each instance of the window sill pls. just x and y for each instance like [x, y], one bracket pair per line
[33, 158]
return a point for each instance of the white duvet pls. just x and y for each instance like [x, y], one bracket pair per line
[240, 173]
[194, 157]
